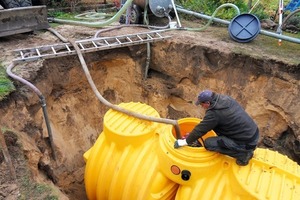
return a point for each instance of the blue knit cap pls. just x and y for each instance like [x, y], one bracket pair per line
[204, 96]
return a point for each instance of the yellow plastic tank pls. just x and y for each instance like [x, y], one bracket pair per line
[123, 163]
[135, 159]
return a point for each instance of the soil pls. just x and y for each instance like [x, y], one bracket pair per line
[261, 75]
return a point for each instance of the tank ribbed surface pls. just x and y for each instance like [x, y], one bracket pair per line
[135, 159]
[270, 175]
[126, 125]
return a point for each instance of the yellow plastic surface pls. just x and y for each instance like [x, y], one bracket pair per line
[134, 159]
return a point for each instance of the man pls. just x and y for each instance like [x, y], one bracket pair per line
[237, 133]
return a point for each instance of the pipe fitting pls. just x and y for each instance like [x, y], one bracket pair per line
[185, 175]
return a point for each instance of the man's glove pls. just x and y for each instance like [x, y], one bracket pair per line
[180, 143]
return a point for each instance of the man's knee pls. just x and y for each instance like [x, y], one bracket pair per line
[211, 143]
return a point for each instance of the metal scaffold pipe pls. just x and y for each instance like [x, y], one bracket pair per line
[199, 15]
[226, 22]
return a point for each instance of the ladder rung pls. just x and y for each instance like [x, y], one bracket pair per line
[139, 37]
[95, 45]
[118, 41]
[158, 34]
[128, 39]
[53, 50]
[82, 47]
[149, 36]
[68, 47]
[38, 52]
[22, 55]
[106, 42]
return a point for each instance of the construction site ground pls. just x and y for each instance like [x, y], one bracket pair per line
[261, 75]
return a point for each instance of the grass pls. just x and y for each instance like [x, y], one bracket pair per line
[6, 85]
[32, 190]
[63, 15]
[265, 45]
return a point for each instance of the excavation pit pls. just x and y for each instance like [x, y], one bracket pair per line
[266, 86]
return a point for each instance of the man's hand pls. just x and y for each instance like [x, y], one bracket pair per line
[180, 143]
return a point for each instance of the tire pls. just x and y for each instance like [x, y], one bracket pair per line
[136, 14]
[15, 3]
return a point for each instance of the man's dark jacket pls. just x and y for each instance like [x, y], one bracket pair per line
[227, 118]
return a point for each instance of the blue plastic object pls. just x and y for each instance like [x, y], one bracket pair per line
[293, 5]
[244, 28]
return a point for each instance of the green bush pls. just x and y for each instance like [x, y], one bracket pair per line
[6, 86]
[263, 10]
[208, 7]
[260, 12]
